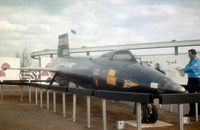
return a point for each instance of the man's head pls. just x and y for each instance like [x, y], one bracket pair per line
[157, 66]
[192, 53]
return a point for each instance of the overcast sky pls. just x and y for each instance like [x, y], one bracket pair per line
[36, 24]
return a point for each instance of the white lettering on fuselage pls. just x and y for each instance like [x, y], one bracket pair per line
[67, 64]
[96, 72]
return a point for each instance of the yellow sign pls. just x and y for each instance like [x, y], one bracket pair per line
[129, 84]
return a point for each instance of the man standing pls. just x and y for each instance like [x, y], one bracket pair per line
[158, 68]
[193, 71]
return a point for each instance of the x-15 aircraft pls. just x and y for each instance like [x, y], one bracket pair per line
[114, 71]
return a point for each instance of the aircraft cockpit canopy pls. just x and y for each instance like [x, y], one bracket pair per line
[123, 55]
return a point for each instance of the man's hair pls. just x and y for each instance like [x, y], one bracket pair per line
[193, 51]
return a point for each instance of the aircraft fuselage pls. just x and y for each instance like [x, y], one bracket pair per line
[114, 73]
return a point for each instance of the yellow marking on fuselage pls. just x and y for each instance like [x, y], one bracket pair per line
[111, 77]
[112, 72]
[111, 80]
[129, 84]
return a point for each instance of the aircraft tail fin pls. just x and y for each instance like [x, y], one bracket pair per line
[63, 45]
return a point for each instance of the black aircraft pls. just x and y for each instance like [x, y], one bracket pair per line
[114, 71]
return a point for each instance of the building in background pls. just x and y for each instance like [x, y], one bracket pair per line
[168, 63]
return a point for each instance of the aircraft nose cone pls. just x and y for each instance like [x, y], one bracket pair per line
[171, 86]
[180, 89]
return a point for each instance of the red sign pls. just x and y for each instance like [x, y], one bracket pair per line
[5, 65]
[2, 73]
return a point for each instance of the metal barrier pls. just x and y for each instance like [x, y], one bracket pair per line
[139, 98]
[82, 92]
[124, 96]
[180, 100]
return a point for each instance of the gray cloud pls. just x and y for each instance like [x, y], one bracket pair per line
[50, 6]
[37, 24]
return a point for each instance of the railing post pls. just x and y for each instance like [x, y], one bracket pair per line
[160, 106]
[54, 101]
[29, 94]
[64, 105]
[196, 112]
[104, 114]
[41, 98]
[139, 116]
[47, 100]
[180, 111]
[88, 113]
[36, 97]
[21, 94]
[1, 89]
[170, 107]
[74, 108]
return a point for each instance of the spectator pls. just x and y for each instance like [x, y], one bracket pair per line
[193, 71]
[157, 67]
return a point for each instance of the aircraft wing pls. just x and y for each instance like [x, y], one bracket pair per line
[34, 69]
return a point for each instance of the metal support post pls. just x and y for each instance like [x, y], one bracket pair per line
[88, 113]
[29, 94]
[104, 114]
[36, 97]
[139, 116]
[54, 101]
[64, 105]
[1, 89]
[21, 94]
[180, 111]
[196, 112]
[170, 107]
[41, 98]
[74, 108]
[160, 106]
[47, 100]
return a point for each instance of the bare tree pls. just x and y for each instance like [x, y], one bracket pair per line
[17, 55]
[25, 58]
